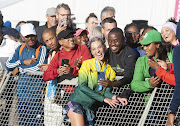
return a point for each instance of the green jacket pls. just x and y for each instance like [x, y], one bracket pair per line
[170, 55]
[86, 93]
[140, 82]
[141, 72]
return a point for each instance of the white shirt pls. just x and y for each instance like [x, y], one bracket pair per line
[8, 47]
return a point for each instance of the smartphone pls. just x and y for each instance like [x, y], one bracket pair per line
[155, 75]
[64, 61]
[149, 57]
[101, 75]
[61, 21]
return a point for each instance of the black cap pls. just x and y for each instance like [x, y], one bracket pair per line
[63, 34]
[10, 31]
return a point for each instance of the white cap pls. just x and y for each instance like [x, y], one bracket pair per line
[28, 29]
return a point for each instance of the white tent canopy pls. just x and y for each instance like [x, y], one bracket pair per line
[155, 11]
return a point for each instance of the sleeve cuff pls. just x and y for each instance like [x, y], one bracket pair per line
[169, 67]
[149, 85]
[21, 70]
[171, 112]
[102, 99]
[156, 70]
[21, 61]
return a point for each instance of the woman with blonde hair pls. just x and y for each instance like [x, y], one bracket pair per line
[86, 97]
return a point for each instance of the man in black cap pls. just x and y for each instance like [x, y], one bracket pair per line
[65, 61]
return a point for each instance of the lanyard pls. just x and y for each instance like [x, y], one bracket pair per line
[100, 87]
[97, 67]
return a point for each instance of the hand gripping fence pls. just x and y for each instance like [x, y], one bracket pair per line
[23, 102]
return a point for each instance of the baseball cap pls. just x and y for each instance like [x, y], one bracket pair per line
[51, 11]
[151, 36]
[79, 31]
[28, 29]
[63, 34]
[10, 31]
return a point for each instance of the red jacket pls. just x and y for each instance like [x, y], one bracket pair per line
[167, 76]
[76, 53]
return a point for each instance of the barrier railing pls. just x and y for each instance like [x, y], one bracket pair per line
[22, 102]
[127, 115]
[158, 110]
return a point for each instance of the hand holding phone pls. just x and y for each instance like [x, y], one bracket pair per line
[61, 26]
[64, 61]
[154, 65]
[65, 67]
[63, 22]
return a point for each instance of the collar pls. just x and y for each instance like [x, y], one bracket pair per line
[176, 43]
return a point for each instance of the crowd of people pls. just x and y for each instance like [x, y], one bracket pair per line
[142, 55]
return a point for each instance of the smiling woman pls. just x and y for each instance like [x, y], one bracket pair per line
[154, 50]
[88, 95]
[168, 32]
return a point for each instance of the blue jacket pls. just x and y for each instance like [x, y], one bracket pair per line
[17, 61]
[176, 98]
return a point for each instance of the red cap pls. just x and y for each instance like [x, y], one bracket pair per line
[79, 31]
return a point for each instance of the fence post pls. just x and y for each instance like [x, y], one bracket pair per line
[4, 80]
[146, 110]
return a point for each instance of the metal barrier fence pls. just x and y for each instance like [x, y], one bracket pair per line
[22, 102]
[157, 111]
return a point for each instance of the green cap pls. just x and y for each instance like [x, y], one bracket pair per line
[151, 36]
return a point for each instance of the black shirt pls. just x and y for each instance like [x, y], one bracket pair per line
[123, 64]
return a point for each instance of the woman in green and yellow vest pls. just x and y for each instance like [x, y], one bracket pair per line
[82, 104]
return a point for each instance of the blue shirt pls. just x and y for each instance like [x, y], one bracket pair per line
[17, 61]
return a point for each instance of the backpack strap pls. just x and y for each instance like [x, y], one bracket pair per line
[21, 48]
[37, 51]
